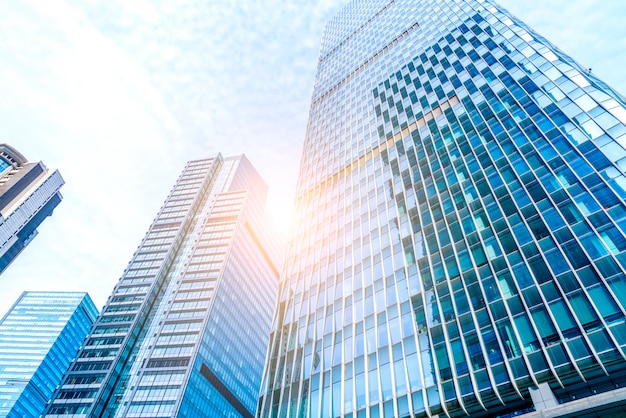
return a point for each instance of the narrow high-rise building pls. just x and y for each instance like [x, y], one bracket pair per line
[459, 241]
[39, 337]
[29, 192]
[185, 331]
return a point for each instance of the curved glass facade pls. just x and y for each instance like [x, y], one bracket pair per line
[460, 227]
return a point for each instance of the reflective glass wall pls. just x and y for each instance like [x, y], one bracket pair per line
[460, 227]
[39, 338]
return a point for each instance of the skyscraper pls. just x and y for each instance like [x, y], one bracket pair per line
[185, 331]
[39, 337]
[29, 192]
[459, 240]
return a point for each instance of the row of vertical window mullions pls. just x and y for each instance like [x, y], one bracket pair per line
[424, 59]
[284, 332]
[276, 338]
[350, 223]
[401, 214]
[554, 107]
[570, 258]
[464, 350]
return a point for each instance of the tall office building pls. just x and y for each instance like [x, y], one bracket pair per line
[29, 192]
[185, 331]
[39, 337]
[459, 241]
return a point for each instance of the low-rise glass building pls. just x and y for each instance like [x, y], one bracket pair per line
[39, 337]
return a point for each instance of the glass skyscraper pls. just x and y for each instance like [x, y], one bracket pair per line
[39, 337]
[185, 331]
[459, 241]
[29, 192]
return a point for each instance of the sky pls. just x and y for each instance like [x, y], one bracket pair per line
[118, 95]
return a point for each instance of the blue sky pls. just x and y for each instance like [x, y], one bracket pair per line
[119, 95]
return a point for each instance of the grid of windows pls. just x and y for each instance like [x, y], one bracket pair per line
[460, 226]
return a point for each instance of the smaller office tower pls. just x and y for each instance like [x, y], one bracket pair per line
[29, 192]
[39, 337]
[185, 332]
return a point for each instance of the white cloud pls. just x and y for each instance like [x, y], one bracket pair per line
[75, 100]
